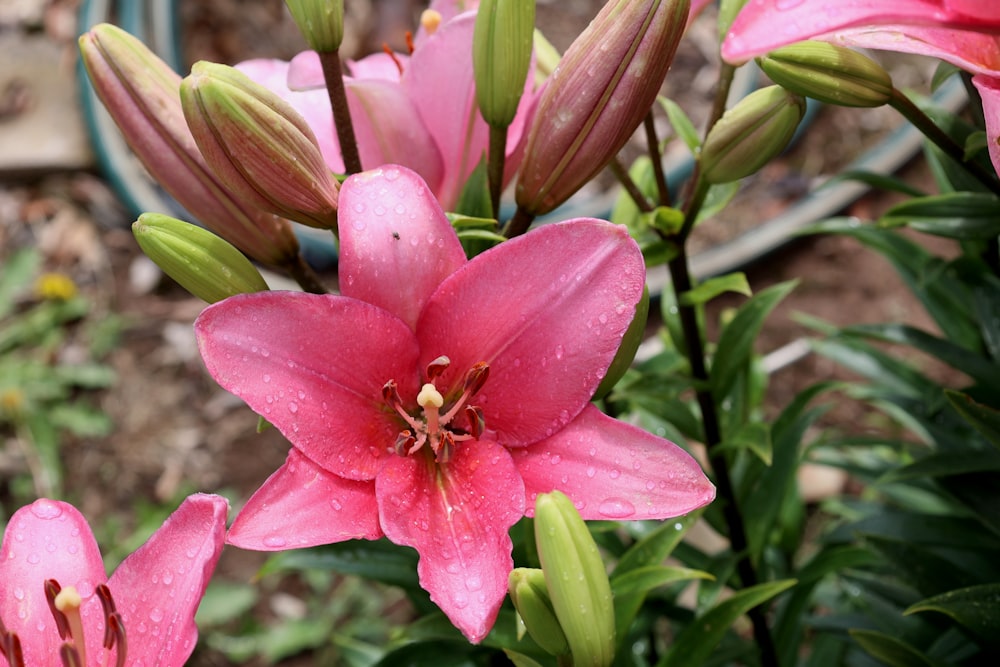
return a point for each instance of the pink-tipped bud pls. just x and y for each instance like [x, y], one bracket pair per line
[603, 87]
[258, 145]
[142, 94]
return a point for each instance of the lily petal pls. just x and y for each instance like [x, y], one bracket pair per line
[282, 513]
[456, 515]
[158, 587]
[547, 312]
[989, 91]
[48, 539]
[396, 243]
[613, 470]
[314, 366]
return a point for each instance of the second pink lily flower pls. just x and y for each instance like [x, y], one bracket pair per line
[436, 397]
[965, 33]
[417, 110]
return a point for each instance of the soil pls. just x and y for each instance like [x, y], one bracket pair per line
[176, 432]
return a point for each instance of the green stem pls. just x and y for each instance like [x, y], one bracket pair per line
[929, 128]
[495, 167]
[680, 275]
[334, 76]
[653, 143]
[631, 189]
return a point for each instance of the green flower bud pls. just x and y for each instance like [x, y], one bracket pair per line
[828, 73]
[629, 346]
[321, 22]
[597, 97]
[577, 581]
[501, 54]
[751, 133]
[531, 598]
[141, 93]
[201, 262]
[258, 145]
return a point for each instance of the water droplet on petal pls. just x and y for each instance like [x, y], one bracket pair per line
[46, 509]
[293, 407]
[616, 508]
[274, 542]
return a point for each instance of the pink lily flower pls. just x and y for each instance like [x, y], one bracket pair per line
[58, 607]
[416, 110]
[965, 33]
[436, 397]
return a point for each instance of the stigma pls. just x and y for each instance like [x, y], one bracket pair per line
[64, 604]
[440, 424]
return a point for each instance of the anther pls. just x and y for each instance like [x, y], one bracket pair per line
[114, 627]
[52, 589]
[446, 447]
[10, 647]
[436, 367]
[477, 423]
[69, 656]
[476, 378]
[404, 441]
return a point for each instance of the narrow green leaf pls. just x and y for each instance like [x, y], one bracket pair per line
[681, 123]
[891, 651]
[920, 567]
[876, 181]
[736, 342]
[955, 215]
[645, 579]
[696, 642]
[976, 608]
[982, 417]
[654, 548]
[944, 464]
[754, 437]
[713, 287]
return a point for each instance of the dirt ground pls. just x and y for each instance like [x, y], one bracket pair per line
[175, 431]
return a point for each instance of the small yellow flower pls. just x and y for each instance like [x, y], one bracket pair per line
[55, 287]
[11, 401]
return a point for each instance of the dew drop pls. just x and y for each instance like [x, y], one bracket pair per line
[615, 473]
[379, 210]
[156, 615]
[293, 407]
[591, 471]
[275, 542]
[46, 509]
[34, 559]
[474, 583]
[616, 508]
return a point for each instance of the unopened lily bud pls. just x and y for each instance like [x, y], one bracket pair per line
[576, 579]
[142, 94]
[597, 97]
[530, 596]
[751, 133]
[501, 55]
[320, 21]
[829, 73]
[258, 145]
[201, 262]
[629, 346]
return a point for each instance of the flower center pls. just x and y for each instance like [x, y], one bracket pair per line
[64, 603]
[435, 423]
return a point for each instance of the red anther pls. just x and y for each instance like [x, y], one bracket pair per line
[391, 395]
[476, 378]
[114, 627]
[69, 656]
[436, 367]
[10, 647]
[52, 589]
[404, 441]
[409, 42]
[395, 59]
[118, 632]
[477, 423]
[446, 447]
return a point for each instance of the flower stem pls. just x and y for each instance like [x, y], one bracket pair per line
[518, 224]
[929, 128]
[303, 274]
[495, 167]
[653, 144]
[680, 275]
[629, 185]
[334, 76]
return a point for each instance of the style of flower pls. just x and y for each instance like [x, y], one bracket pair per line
[58, 607]
[417, 110]
[965, 33]
[436, 397]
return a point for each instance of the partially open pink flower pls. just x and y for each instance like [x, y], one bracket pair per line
[58, 607]
[965, 33]
[418, 111]
[435, 398]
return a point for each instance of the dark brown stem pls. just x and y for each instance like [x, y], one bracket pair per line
[303, 274]
[497, 158]
[680, 275]
[519, 223]
[334, 75]
[630, 187]
[653, 143]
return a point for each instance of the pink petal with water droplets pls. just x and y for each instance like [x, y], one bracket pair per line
[158, 588]
[547, 312]
[48, 539]
[396, 245]
[989, 91]
[456, 516]
[303, 505]
[314, 367]
[613, 470]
